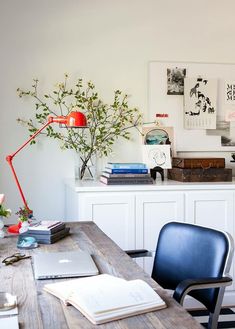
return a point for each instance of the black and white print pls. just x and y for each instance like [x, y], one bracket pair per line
[230, 92]
[200, 103]
[224, 129]
[175, 81]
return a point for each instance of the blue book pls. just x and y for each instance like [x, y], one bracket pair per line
[126, 171]
[126, 165]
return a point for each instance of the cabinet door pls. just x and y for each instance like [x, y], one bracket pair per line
[212, 209]
[113, 213]
[153, 210]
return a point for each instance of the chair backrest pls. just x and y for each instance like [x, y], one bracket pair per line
[187, 251]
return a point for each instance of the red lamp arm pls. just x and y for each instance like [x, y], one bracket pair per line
[74, 119]
[10, 157]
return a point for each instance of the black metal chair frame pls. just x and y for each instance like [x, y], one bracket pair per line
[190, 284]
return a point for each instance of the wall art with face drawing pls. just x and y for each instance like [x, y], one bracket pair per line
[157, 156]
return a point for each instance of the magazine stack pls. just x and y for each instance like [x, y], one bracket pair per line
[47, 232]
[125, 173]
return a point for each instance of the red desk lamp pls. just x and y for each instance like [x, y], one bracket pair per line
[72, 120]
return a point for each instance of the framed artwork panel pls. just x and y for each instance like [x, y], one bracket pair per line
[157, 156]
[159, 99]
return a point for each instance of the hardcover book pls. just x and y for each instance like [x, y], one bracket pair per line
[105, 298]
[126, 171]
[120, 175]
[126, 180]
[46, 227]
[48, 238]
[126, 165]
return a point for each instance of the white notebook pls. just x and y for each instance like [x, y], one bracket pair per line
[10, 322]
[106, 298]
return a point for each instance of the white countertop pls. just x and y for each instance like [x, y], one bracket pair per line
[166, 185]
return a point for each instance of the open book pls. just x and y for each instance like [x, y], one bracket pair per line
[104, 298]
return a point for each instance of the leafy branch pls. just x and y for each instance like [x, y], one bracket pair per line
[106, 122]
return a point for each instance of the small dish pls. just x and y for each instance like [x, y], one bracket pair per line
[7, 301]
[27, 242]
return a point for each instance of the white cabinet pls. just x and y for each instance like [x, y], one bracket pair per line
[132, 215]
[213, 209]
[114, 213]
[153, 210]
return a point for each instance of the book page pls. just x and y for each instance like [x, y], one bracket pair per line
[110, 295]
[64, 289]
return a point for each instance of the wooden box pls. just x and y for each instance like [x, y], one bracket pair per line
[200, 175]
[203, 163]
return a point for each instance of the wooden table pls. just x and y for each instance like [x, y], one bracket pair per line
[38, 309]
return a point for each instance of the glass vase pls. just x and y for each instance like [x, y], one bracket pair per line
[86, 170]
[2, 233]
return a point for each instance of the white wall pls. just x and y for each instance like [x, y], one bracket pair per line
[106, 41]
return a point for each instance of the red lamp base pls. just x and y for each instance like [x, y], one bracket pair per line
[14, 228]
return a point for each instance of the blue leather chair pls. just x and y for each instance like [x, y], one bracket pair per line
[194, 260]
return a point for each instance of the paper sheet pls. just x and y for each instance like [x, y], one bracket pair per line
[10, 322]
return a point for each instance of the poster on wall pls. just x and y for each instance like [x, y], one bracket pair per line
[225, 125]
[230, 115]
[160, 102]
[229, 101]
[229, 92]
[175, 81]
[200, 103]
[224, 129]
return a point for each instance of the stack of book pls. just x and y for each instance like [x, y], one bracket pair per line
[47, 232]
[125, 173]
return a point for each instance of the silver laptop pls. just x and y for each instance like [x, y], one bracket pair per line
[51, 265]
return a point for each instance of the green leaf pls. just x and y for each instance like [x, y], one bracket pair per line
[107, 122]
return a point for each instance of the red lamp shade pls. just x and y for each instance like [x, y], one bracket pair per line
[76, 119]
[72, 120]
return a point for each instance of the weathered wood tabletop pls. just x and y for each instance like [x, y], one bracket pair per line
[38, 309]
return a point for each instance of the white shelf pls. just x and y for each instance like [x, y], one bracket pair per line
[167, 185]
